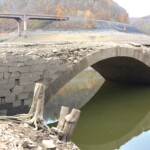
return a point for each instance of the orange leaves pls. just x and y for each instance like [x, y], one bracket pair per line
[89, 85]
[89, 14]
[60, 12]
[76, 9]
[123, 18]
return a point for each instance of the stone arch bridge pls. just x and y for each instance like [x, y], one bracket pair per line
[54, 64]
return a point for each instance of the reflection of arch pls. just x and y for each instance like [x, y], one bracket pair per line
[144, 125]
[100, 60]
[109, 98]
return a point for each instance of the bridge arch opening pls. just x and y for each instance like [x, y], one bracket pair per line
[123, 69]
[80, 89]
[118, 64]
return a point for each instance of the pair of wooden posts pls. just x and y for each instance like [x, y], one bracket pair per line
[67, 123]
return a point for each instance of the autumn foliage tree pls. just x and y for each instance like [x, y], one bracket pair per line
[90, 18]
[60, 12]
[81, 9]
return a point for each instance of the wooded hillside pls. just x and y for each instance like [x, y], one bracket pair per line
[89, 9]
[142, 23]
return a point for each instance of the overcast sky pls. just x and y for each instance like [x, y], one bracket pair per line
[135, 8]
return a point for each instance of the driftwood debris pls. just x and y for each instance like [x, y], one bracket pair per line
[67, 123]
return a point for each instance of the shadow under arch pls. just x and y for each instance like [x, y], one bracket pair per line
[124, 55]
[123, 69]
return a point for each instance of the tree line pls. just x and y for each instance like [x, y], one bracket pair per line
[77, 9]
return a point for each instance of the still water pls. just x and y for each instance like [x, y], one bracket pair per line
[113, 116]
[116, 118]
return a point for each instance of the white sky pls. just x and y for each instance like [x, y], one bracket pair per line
[135, 8]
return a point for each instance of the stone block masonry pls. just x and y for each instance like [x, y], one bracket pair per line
[53, 64]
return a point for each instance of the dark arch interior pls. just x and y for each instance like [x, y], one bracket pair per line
[123, 69]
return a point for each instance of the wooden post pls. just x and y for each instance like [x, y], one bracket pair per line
[37, 91]
[64, 111]
[70, 124]
[67, 123]
[58, 130]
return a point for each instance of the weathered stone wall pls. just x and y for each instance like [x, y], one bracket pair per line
[54, 64]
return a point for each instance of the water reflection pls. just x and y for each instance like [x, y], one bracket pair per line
[113, 117]
[74, 94]
[116, 118]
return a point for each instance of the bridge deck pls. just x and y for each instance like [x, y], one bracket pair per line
[33, 16]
